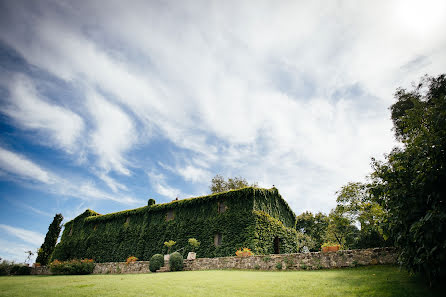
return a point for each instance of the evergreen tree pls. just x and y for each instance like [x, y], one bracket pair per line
[51, 237]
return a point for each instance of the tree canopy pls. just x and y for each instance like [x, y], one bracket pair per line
[410, 184]
[219, 184]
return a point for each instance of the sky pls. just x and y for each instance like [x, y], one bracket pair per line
[105, 104]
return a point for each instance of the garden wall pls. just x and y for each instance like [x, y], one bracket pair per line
[302, 261]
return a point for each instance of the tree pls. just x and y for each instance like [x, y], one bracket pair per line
[219, 184]
[47, 248]
[355, 203]
[410, 184]
[341, 230]
[314, 226]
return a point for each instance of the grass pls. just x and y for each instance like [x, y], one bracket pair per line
[361, 281]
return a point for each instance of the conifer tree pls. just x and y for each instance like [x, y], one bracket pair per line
[51, 237]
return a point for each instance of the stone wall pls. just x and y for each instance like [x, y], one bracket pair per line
[301, 261]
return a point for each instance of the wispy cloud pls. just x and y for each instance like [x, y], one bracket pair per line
[159, 185]
[20, 166]
[30, 111]
[32, 237]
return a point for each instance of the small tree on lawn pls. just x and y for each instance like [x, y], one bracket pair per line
[47, 248]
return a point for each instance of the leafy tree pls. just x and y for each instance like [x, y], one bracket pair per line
[341, 230]
[314, 226]
[411, 183]
[219, 184]
[354, 202]
[47, 248]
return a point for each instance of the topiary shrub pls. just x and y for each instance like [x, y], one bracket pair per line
[176, 262]
[156, 262]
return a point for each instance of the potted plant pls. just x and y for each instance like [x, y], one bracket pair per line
[194, 244]
[330, 247]
[245, 252]
[169, 244]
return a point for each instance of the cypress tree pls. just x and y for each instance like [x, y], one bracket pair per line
[51, 237]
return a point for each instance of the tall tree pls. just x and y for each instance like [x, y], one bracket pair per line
[354, 202]
[219, 184]
[51, 237]
[411, 183]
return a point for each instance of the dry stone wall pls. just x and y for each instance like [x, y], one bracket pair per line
[301, 261]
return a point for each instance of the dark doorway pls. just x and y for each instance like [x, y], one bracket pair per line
[276, 245]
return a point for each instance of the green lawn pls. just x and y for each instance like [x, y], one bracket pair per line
[363, 281]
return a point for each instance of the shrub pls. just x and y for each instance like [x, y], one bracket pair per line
[14, 268]
[75, 266]
[279, 266]
[169, 244]
[24, 270]
[156, 262]
[131, 259]
[176, 262]
[151, 202]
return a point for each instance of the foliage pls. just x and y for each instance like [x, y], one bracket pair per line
[51, 237]
[23, 270]
[193, 243]
[304, 240]
[156, 262]
[169, 244]
[246, 222]
[74, 266]
[219, 184]
[5, 267]
[151, 202]
[176, 262]
[244, 252]
[131, 259]
[411, 183]
[354, 202]
[279, 265]
[341, 230]
[314, 226]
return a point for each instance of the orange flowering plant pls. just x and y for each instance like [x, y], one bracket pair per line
[245, 252]
[131, 259]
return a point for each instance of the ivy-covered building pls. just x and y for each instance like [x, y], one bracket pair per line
[259, 219]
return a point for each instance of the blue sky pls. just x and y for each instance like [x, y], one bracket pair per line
[106, 106]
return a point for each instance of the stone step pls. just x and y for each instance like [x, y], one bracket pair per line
[163, 269]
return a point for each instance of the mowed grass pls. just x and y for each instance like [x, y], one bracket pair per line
[362, 281]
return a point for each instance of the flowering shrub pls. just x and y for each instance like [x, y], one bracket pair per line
[75, 266]
[245, 252]
[131, 259]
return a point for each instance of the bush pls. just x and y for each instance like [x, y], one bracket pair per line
[156, 262]
[176, 262]
[14, 268]
[75, 266]
[24, 270]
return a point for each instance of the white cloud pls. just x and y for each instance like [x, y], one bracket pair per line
[158, 182]
[24, 169]
[113, 135]
[13, 251]
[31, 111]
[28, 236]
[19, 165]
[299, 101]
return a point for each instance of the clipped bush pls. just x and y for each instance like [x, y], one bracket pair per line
[176, 262]
[75, 266]
[156, 262]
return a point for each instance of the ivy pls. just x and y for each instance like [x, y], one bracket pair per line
[252, 219]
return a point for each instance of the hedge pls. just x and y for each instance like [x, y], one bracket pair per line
[251, 219]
